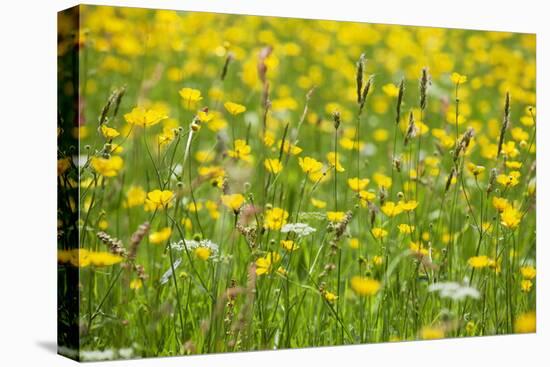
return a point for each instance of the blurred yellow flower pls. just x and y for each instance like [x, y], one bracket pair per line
[158, 199]
[309, 165]
[478, 262]
[109, 132]
[333, 160]
[364, 286]
[273, 165]
[136, 284]
[391, 209]
[233, 201]
[240, 150]
[203, 253]
[329, 296]
[431, 333]
[358, 184]
[457, 78]
[234, 108]
[510, 217]
[335, 217]
[379, 233]
[526, 323]
[160, 236]
[391, 90]
[145, 117]
[135, 196]
[107, 167]
[289, 245]
[275, 218]
[318, 203]
[528, 272]
[190, 97]
[265, 264]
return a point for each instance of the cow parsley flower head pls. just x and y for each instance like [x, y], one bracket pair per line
[301, 229]
[454, 290]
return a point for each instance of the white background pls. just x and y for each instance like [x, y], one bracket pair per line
[28, 169]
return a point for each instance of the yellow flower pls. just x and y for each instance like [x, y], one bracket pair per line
[141, 117]
[408, 205]
[190, 96]
[456, 78]
[513, 164]
[101, 259]
[391, 209]
[240, 150]
[203, 253]
[528, 272]
[379, 233]
[205, 116]
[318, 203]
[273, 165]
[135, 196]
[475, 169]
[526, 323]
[363, 286]
[405, 228]
[290, 148]
[509, 180]
[264, 265]
[358, 184]
[478, 262]
[366, 197]
[289, 245]
[510, 217]
[417, 249]
[233, 201]
[335, 217]
[391, 90]
[334, 161]
[377, 260]
[136, 284]
[109, 132]
[500, 204]
[382, 180]
[380, 135]
[161, 236]
[430, 333]
[103, 224]
[275, 218]
[526, 285]
[354, 243]
[107, 167]
[234, 108]
[309, 165]
[329, 296]
[158, 199]
[204, 156]
[194, 207]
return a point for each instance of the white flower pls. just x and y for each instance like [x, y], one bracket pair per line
[301, 229]
[192, 244]
[453, 290]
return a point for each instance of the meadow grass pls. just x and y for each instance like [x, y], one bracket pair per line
[249, 183]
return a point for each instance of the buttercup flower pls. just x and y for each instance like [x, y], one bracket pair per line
[140, 116]
[275, 218]
[158, 199]
[108, 167]
[233, 201]
[363, 286]
[234, 108]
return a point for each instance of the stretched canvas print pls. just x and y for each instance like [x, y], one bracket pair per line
[240, 183]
